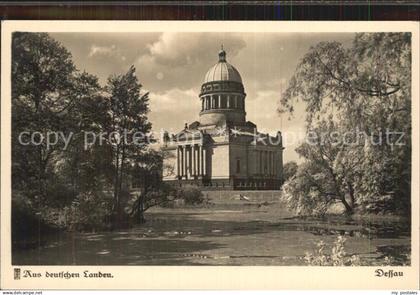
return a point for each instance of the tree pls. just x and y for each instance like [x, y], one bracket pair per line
[289, 170]
[42, 92]
[128, 128]
[365, 88]
[49, 95]
[147, 170]
[83, 165]
[324, 151]
[67, 179]
[306, 192]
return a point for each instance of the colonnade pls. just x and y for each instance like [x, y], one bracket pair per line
[222, 101]
[191, 161]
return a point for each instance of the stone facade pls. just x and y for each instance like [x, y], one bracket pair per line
[222, 150]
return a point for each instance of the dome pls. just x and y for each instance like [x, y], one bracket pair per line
[222, 71]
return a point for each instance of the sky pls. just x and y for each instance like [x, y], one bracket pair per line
[172, 66]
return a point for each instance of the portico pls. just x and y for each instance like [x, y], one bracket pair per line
[191, 161]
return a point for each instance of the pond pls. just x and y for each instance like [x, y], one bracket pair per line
[237, 233]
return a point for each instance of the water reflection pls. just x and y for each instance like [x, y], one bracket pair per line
[208, 237]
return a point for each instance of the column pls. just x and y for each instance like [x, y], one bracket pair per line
[204, 161]
[236, 101]
[178, 161]
[202, 104]
[197, 148]
[182, 160]
[220, 102]
[228, 102]
[185, 161]
[194, 160]
[200, 151]
[189, 171]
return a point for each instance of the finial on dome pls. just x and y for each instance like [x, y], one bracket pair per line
[222, 54]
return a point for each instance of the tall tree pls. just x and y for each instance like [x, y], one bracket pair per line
[365, 88]
[128, 126]
[42, 92]
[85, 163]
[49, 95]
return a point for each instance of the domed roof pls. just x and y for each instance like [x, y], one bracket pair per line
[222, 71]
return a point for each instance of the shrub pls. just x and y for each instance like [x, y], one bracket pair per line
[191, 195]
[89, 211]
[337, 257]
[28, 222]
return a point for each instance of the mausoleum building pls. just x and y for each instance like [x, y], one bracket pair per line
[222, 150]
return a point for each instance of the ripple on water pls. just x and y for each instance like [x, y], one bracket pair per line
[103, 252]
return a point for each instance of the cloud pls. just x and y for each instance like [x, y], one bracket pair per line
[182, 49]
[172, 67]
[102, 50]
[180, 60]
[261, 109]
[107, 53]
[166, 109]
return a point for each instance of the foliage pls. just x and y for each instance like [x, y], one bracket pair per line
[139, 203]
[42, 91]
[127, 117]
[289, 170]
[301, 193]
[337, 257]
[153, 191]
[88, 211]
[191, 195]
[25, 221]
[65, 185]
[360, 95]
[403, 260]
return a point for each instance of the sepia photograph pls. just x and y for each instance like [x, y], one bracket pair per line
[211, 148]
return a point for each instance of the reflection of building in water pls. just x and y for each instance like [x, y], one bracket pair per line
[222, 150]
